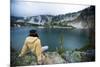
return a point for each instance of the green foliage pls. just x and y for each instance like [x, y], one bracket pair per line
[61, 49]
[47, 25]
[87, 47]
[25, 60]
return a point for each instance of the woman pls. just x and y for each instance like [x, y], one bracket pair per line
[33, 44]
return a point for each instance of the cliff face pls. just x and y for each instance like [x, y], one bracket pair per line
[81, 19]
[87, 16]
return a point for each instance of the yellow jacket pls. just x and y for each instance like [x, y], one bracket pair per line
[33, 44]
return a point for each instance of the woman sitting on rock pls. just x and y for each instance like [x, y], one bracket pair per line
[33, 44]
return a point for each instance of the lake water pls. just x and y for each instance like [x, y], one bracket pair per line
[72, 38]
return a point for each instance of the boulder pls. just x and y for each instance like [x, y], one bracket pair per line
[53, 58]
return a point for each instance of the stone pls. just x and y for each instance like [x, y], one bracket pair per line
[54, 58]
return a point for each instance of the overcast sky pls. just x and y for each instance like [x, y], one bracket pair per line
[23, 8]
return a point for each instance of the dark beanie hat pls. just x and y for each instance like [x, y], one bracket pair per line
[32, 31]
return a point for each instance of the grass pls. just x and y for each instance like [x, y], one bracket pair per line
[61, 50]
[88, 46]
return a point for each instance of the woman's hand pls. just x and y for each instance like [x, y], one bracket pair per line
[20, 55]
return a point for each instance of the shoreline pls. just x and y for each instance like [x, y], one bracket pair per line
[53, 57]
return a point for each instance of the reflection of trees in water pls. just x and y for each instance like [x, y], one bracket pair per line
[61, 41]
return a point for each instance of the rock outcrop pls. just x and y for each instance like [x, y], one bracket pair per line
[30, 59]
[54, 58]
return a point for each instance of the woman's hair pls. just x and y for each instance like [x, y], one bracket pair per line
[33, 33]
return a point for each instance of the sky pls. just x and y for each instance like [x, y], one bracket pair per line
[30, 8]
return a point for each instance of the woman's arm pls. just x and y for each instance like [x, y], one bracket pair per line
[24, 49]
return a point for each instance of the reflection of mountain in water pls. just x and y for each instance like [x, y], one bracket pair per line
[81, 19]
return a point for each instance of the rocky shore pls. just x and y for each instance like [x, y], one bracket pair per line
[53, 58]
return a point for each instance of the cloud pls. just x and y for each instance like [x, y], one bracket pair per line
[25, 8]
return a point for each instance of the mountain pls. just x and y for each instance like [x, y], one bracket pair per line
[81, 19]
[40, 20]
[87, 16]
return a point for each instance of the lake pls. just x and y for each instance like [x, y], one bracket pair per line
[72, 38]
